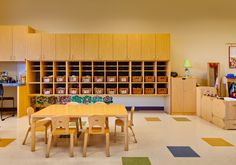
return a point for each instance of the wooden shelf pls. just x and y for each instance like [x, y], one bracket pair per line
[96, 68]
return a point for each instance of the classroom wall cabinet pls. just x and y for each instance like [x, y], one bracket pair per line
[77, 46]
[183, 95]
[62, 43]
[149, 78]
[48, 47]
[34, 46]
[6, 50]
[22, 42]
[91, 46]
[163, 46]
[120, 47]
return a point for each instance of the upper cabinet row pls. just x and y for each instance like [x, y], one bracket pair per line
[20, 43]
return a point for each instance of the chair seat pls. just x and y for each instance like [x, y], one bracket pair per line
[97, 131]
[6, 98]
[61, 131]
[120, 122]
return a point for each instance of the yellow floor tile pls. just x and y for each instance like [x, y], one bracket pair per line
[4, 142]
[217, 142]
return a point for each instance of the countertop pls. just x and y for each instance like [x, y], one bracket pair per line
[12, 84]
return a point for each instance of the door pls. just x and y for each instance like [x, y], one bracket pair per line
[48, 47]
[77, 46]
[120, 47]
[19, 43]
[177, 95]
[148, 46]
[163, 47]
[105, 47]
[134, 47]
[34, 46]
[62, 47]
[91, 47]
[5, 43]
[189, 85]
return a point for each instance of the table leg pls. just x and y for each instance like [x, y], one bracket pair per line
[33, 135]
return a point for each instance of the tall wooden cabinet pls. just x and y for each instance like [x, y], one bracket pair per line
[183, 96]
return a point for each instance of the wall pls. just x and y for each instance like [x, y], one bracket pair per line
[199, 29]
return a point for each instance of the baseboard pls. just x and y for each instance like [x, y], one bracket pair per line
[183, 113]
[146, 108]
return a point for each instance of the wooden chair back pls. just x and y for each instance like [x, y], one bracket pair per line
[29, 111]
[132, 115]
[97, 122]
[60, 122]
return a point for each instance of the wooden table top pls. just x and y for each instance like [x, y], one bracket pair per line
[81, 110]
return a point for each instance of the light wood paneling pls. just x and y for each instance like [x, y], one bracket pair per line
[34, 46]
[134, 47]
[163, 47]
[62, 47]
[120, 47]
[177, 95]
[48, 47]
[105, 47]
[148, 46]
[5, 43]
[77, 46]
[19, 43]
[22, 100]
[91, 46]
[189, 96]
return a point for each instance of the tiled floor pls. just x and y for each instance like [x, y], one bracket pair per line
[153, 139]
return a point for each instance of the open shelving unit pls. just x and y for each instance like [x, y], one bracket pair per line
[123, 78]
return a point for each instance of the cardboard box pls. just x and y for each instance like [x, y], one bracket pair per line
[137, 79]
[149, 79]
[162, 78]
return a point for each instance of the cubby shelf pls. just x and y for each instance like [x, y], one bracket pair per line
[115, 78]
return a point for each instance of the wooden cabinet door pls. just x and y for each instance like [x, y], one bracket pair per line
[77, 46]
[91, 46]
[177, 95]
[189, 85]
[62, 47]
[120, 47]
[105, 47]
[48, 47]
[34, 46]
[5, 43]
[134, 47]
[163, 47]
[148, 46]
[19, 42]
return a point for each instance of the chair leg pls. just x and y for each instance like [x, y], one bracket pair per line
[45, 134]
[77, 126]
[107, 144]
[122, 128]
[26, 135]
[49, 145]
[135, 140]
[107, 122]
[80, 123]
[115, 134]
[76, 139]
[72, 145]
[85, 144]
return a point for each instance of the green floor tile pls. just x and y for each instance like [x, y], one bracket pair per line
[181, 119]
[136, 161]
